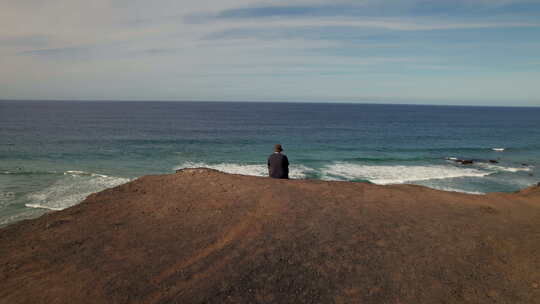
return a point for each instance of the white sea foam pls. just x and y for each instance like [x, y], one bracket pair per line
[75, 172]
[23, 214]
[295, 171]
[458, 190]
[83, 173]
[498, 168]
[498, 149]
[396, 174]
[448, 188]
[71, 190]
[43, 207]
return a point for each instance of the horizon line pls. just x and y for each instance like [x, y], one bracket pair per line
[389, 103]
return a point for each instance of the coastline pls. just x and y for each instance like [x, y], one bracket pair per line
[205, 236]
[100, 145]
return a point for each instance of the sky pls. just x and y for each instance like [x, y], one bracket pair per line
[470, 52]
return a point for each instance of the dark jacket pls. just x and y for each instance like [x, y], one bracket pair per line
[278, 166]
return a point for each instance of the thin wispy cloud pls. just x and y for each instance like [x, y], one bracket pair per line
[56, 52]
[271, 50]
[383, 9]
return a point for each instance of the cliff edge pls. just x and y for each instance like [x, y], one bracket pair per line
[202, 236]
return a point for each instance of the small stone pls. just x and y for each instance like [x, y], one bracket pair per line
[535, 285]
[493, 293]
[381, 243]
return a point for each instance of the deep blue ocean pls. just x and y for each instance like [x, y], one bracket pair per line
[54, 153]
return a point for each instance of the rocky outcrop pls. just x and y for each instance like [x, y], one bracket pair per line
[461, 161]
[201, 236]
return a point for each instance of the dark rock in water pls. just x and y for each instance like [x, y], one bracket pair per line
[525, 165]
[493, 161]
[463, 161]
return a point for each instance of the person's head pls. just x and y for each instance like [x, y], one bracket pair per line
[278, 148]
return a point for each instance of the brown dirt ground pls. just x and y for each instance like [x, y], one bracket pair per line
[201, 236]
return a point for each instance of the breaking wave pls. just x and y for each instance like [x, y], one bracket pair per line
[396, 174]
[70, 190]
[295, 171]
[452, 189]
[83, 173]
[504, 168]
[438, 176]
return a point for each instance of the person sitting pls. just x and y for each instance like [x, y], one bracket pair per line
[278, 164]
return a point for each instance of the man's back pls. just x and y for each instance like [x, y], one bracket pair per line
[278, 165]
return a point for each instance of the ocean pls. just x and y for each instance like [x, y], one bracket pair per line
[55, 153]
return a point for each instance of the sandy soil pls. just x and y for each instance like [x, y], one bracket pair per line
[201, 236]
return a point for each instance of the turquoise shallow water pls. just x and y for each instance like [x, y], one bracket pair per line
[54, 153]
